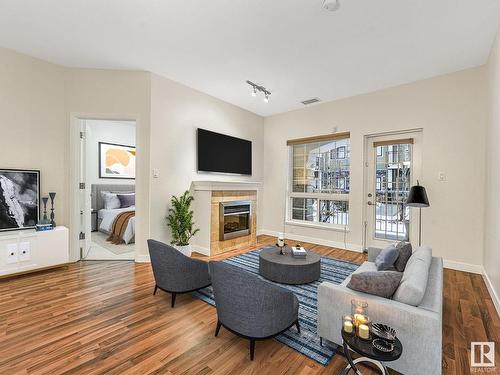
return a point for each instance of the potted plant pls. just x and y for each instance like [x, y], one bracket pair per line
[180, 221]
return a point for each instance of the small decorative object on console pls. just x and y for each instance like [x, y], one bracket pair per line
[43, 227]
[298, 251]
[44, 220]
[52, 215]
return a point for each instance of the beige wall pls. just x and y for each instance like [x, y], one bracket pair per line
[176, 112]
[451, 111]
[32, 125]
[41, 102]
[119, 95]
[492, 221]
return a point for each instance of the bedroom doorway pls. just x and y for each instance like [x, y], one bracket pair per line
[107, 189]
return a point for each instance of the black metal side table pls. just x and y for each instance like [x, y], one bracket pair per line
[368, 353]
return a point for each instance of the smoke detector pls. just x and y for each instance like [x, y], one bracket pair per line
[331, 5]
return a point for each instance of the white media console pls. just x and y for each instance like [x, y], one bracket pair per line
[28, 250]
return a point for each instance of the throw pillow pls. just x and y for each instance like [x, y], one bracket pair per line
[111, 201]
[383, 283]
[386, 258]
[405, 251]
[126, 200]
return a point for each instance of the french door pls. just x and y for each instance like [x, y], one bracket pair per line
[392, 165]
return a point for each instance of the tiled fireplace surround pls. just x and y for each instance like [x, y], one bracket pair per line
[207, 198]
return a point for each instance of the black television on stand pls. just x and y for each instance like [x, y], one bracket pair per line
[220, 153]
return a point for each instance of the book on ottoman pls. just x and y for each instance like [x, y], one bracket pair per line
[298, 252]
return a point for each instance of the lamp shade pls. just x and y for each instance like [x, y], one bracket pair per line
[417, 197]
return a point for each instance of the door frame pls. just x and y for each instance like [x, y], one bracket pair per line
[74, 173]
[416, 174]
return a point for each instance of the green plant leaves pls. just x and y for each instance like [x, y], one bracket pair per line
[180, 219]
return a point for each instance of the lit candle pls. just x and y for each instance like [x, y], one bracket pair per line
[364, 331]
[348, 326]
[359, 319]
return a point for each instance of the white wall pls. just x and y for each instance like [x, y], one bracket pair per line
[176, 112]
[32, 126]
[492, 218]
[120, 132]
[451, 111]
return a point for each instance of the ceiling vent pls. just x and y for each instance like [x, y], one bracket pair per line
[311, 101]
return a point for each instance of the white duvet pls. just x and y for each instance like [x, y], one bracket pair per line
[108, 217]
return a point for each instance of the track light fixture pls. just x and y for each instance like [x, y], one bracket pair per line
[262, 89]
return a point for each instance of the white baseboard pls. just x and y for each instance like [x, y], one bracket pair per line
[142, 258]
[201, 250]
[314, 240]
[492, 291]
[466, 267]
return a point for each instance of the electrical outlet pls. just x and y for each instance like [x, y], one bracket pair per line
[156, 173]
[442, 176]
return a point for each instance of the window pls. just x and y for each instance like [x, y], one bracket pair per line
[320, 181]
[341, 152]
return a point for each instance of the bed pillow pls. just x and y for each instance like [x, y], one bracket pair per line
[111, 200]
[385, 260]
[126, 200]
[378, 283]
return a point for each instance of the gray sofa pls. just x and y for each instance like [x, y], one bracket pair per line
[249, 306]
[419, 327]
[174, 272]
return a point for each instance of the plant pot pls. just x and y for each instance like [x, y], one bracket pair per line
[186, 249]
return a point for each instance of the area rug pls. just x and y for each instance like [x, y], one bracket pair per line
[307, 343]
[100, 239]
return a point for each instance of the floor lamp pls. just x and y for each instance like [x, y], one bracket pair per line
[418, 198]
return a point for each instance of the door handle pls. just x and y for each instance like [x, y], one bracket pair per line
[370, 203]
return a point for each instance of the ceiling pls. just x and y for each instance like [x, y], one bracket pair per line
[294, 48]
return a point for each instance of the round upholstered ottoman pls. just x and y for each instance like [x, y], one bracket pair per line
[286, 269]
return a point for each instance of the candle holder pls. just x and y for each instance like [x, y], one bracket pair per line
[281, 243]
[52, 215]
[361, 321]
[45, 220]
[347, 324]
[359, 308]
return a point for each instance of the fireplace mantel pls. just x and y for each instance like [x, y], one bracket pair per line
[225, 185]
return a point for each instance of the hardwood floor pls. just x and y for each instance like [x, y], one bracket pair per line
[100, 317]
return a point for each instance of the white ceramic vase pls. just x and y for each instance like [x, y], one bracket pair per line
[186, 249]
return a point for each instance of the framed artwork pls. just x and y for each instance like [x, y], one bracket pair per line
[116, 161]
[19, 199]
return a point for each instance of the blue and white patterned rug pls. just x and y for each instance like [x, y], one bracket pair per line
[307, 343]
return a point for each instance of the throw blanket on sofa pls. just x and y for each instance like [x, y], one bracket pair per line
[119, 226]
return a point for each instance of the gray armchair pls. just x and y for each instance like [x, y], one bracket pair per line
[174, 272]
[249, 306]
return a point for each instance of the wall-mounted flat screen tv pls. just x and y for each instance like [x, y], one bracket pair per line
[223, 154]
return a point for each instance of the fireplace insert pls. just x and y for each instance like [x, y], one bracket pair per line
[235, 219]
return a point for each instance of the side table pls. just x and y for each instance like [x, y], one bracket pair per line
[368, 353]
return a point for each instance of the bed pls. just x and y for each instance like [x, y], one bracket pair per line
[106, 217]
